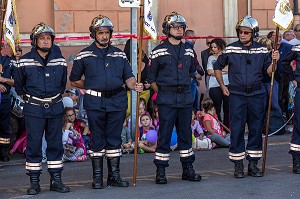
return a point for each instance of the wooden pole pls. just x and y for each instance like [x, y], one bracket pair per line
[269, 105]
[3, 11]
[140, 57]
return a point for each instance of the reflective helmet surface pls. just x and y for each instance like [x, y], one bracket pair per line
[172, 19]
[100, 22]
[38, 30]
[248, 22]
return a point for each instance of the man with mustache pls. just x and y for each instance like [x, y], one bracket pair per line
[106, 71]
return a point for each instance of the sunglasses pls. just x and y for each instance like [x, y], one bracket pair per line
[245, 32]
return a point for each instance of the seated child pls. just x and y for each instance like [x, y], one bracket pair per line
[146, 121]
[127, 144]
[196, 127]
[20, 145]
[212, 125]
[155, 117]
[199, 141]
[75, 149]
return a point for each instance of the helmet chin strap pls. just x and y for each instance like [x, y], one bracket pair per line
[45, 50]
[177, 37]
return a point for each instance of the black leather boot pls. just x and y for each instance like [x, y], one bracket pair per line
[114, 178]
[239, 169]
[188, 173]
[253, 170]
[161, 175]
[4, 153]
[56, 184]
[97, 163]
[34, 185]
[296, 164]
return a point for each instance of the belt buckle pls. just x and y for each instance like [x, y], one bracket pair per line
[248, 90]
[46, 104]
[180, 89]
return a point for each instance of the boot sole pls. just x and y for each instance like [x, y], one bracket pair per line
[97, 186]
[253, 175]
[239, 176]
[35, 192]
[161, 182]
[58, 190]
[191, 179]
[112, 184]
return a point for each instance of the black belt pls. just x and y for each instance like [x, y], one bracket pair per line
[41, 102]
[248, 90]
[178, 89]
[106, 94]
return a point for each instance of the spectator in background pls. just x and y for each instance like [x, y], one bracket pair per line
[288, 36]
[199, 70]
[296, 40]
[281, 83]
[204, 56]
[6, 81]
[145, 61]
[74, 95]
[215, 92]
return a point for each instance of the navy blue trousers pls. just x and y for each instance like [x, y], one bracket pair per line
[295, 142]
[106, 128]
[5, 113]
[36, 127]
[250, 110]
[181, 118]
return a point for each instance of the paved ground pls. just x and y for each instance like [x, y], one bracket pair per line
[214, 166]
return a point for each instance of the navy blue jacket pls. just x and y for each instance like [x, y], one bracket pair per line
[294, 54]
[8, 69]
[167, 69]
[103, 73]
[33, 78]
[247, 65]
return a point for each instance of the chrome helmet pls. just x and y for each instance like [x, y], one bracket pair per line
[40, 29]
[100, 22]
[248, 22]
[170, 21]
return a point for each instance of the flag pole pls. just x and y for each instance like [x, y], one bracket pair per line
[140, 54]
[274, 63]
[3, 11]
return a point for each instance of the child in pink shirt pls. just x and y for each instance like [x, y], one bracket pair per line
[212, 125]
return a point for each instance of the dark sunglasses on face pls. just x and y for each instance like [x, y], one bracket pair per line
[19, 50]
[245, 32]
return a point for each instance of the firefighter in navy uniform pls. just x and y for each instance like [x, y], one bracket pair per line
[294, 76]
[6, 81]
[106, 70]
[41, 78]
[170, 71]
[248, 61]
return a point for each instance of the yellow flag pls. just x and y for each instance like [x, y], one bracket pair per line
[283, 15]
[11, 26]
